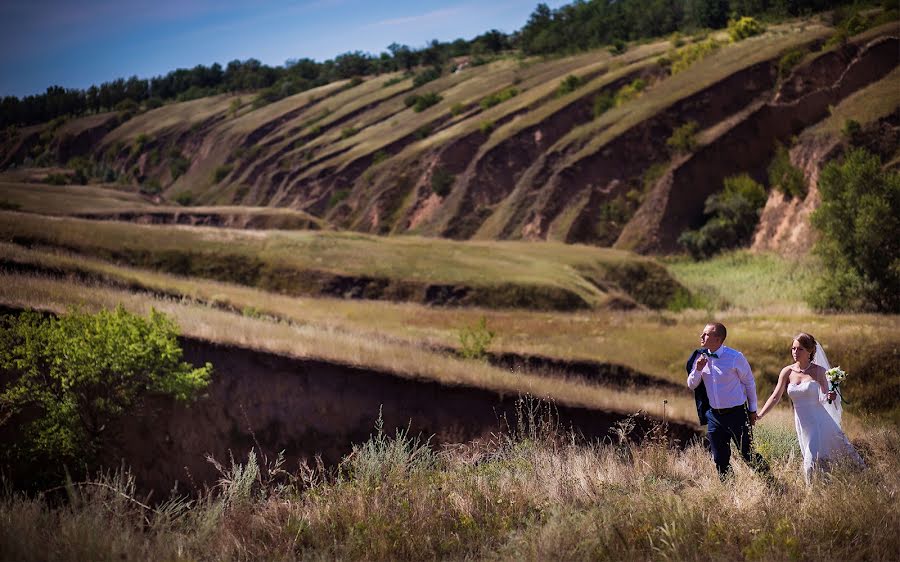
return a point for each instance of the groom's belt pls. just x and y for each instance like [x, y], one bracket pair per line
[733, 409]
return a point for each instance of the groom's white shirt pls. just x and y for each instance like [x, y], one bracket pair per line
[728, 379]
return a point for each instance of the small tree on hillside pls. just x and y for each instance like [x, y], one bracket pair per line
[734, 213]
[859, 219]
[76, 374]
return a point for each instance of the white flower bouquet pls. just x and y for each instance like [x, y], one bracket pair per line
[835, 376]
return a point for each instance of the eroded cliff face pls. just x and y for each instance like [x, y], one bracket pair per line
[784, 225]
[310, 408]
[747, 145]
[540, 165]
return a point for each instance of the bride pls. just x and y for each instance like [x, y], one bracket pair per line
[818, 422]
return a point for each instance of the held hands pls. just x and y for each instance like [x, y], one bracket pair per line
[831, 396]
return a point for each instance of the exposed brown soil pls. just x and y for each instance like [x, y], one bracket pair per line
[309, 408]
[676, 202]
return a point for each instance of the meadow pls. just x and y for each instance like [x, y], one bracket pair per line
[538, 493]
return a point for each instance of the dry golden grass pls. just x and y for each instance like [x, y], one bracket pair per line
[868, 104]
[69, 199]
[651, 342]
[408, 258]
[328, 342]
[535, 496]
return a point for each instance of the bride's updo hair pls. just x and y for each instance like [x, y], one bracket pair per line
[808, 342]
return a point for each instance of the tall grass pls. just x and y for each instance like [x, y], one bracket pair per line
[537, 495]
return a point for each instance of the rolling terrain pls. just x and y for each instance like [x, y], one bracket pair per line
[502, 151]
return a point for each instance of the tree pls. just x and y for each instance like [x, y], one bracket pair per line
[859, 218]
[734, 213]
[75, 374]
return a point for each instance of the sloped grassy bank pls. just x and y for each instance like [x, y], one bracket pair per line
[537, 495]
[489, 274]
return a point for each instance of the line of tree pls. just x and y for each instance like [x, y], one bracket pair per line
[595, 23]
[583, 24]
[275, 82]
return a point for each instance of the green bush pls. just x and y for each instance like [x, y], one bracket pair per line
[426, 76]
[568, 85]
[789, 60]
[684, 57]
[498, 98]
[851, 129]
[474, 340]
[603, 102]
[733, 215]
[629, 92]
[442, 182]
[337, 197]
[618, 47]
[348, 132]
[75, 374]
[486, 127]
[457, 109]
[222, 172]
[185, 198]
[684, 138]
[784, 176]
[421, 102]
[859, 218]
[178, 165]
[743, 28]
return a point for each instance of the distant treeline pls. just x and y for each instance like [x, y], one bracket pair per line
[272, 82]
[577, 26]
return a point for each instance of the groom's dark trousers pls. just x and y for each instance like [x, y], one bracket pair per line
[725, 426]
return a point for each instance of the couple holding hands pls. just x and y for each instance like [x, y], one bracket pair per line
[723, 382]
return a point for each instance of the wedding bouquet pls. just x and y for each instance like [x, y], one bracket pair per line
[835, 376]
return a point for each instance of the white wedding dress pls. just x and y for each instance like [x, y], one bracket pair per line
[821, 439]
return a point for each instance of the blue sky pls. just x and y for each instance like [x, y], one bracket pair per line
[76, 44]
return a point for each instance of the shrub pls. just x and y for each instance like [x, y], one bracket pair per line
[733, 214]
[684, 57]
[426, 100]
[684, 138]
[858, 218]
[629, 92]
[423, 132]
[851, 129]
[178, 165]
[474, 340]
[784, 176]
[426, 76]
[603, 102]
[457, 109]
[618, 47]
[348, 132]
[153, 103]
[568, 85]
[486, 127]
[743, 28]
[234, 107]
[79, 372]
[151, 186]
[789, 60]
[185, 198]
[421, 102]
[498, 98]
[442, 181]
[337, 197]
[222, 172]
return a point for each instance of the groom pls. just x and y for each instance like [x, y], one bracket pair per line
[729, 384]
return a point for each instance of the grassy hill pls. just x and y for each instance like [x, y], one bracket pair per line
[569, 149]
